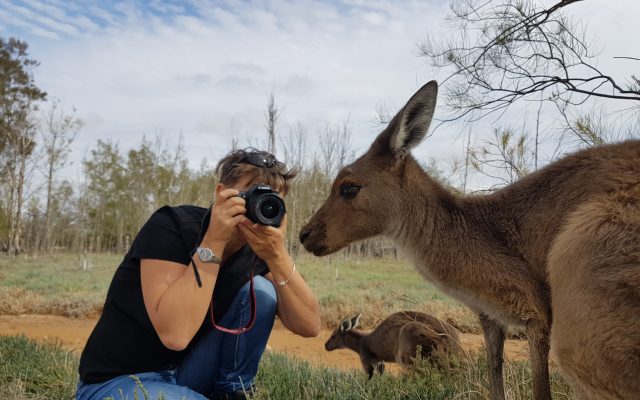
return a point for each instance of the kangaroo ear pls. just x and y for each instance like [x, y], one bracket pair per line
[345, 325]
[355, 321]
[409, 127]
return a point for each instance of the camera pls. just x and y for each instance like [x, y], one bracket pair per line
[263, 205]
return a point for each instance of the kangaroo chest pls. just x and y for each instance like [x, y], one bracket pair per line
[481, 291]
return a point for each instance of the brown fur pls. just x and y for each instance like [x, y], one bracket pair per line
[594, 270]
[503, 254]
[396, 339]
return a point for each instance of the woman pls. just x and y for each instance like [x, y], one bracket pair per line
[190, 308]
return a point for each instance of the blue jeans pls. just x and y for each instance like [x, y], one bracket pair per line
[218, 363]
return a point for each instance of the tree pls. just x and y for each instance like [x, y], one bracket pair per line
[335, 148]
[507, 50]
[18, 103]
[105, 195]
[272, 118]
[504, 158]
[59, 132]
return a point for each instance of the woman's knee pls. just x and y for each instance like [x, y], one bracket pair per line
[266, 296]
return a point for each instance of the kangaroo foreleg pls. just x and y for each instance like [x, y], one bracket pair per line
[494, 333]
[538, 337]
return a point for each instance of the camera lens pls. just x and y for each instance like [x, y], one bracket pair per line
[269, 209]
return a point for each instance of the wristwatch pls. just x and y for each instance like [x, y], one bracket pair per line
[206, 255]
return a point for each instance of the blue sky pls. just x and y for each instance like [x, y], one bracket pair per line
[204, 69]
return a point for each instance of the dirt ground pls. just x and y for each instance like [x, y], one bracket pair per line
[73, 334]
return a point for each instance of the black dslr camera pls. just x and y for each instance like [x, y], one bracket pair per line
[263, 205]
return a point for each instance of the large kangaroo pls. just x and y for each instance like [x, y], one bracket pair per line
[568, 232]
[396, 339]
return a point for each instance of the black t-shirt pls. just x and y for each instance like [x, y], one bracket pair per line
[124, 340]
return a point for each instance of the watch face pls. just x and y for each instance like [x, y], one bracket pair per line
[207, 255]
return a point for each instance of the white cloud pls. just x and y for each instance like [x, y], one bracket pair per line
[37, 18]
[206, 68]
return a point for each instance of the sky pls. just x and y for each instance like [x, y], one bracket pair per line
[204, 70]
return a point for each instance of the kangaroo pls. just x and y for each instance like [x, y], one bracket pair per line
[557, 252]
[395, 339]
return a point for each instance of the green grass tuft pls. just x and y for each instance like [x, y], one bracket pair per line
[38, 371]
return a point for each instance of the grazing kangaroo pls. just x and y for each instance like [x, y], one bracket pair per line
[395, 339]
[569, 232]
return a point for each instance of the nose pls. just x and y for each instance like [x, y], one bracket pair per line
[304, 234]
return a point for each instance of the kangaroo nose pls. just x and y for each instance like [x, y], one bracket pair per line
[304, 234]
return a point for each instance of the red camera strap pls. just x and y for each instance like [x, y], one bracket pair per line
[252, 320]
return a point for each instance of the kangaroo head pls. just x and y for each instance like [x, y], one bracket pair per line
[336, 341]
[367, 196]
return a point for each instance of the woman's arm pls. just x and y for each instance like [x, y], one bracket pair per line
[298, 307]
[174, 302]
[172, 298]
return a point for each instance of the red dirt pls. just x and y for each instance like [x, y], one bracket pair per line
[73, 334]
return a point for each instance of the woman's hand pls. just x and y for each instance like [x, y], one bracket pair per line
[226, 214]
[267, 242]
[298, 307]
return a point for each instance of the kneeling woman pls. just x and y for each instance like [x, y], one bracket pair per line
[190, 308]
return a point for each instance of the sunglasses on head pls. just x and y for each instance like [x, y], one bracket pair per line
[261, 159]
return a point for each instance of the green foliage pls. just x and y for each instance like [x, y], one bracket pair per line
[281, 377]
[505, 157]
[35, 370]
[17, 87]
[18, 104]
[123, 190]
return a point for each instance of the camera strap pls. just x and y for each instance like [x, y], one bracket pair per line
[252, 299]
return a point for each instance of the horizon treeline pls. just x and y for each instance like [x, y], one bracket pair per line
[118, 190]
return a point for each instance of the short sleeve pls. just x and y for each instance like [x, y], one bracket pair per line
[160, 239]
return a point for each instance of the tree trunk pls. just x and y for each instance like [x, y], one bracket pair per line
[47, 216]
[14, 239]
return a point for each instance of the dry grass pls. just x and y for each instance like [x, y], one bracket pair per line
[375, 287]
[15, 301]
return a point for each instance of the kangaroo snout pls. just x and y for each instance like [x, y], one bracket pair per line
[304, 234]
[312, 238]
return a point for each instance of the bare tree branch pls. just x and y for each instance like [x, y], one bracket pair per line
[507, 50]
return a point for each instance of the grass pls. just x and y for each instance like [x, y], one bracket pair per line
[59, 285]
[285, 378]
[38, 371]
[376, 287]
[55, 284]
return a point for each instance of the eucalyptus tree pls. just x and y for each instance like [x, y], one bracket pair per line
[19, 97]
[58, 133]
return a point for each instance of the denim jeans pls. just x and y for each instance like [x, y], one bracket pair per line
[218, 363]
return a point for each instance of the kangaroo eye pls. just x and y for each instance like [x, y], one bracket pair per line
[349, 190]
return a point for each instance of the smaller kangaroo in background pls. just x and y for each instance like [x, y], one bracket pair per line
[395, 339]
